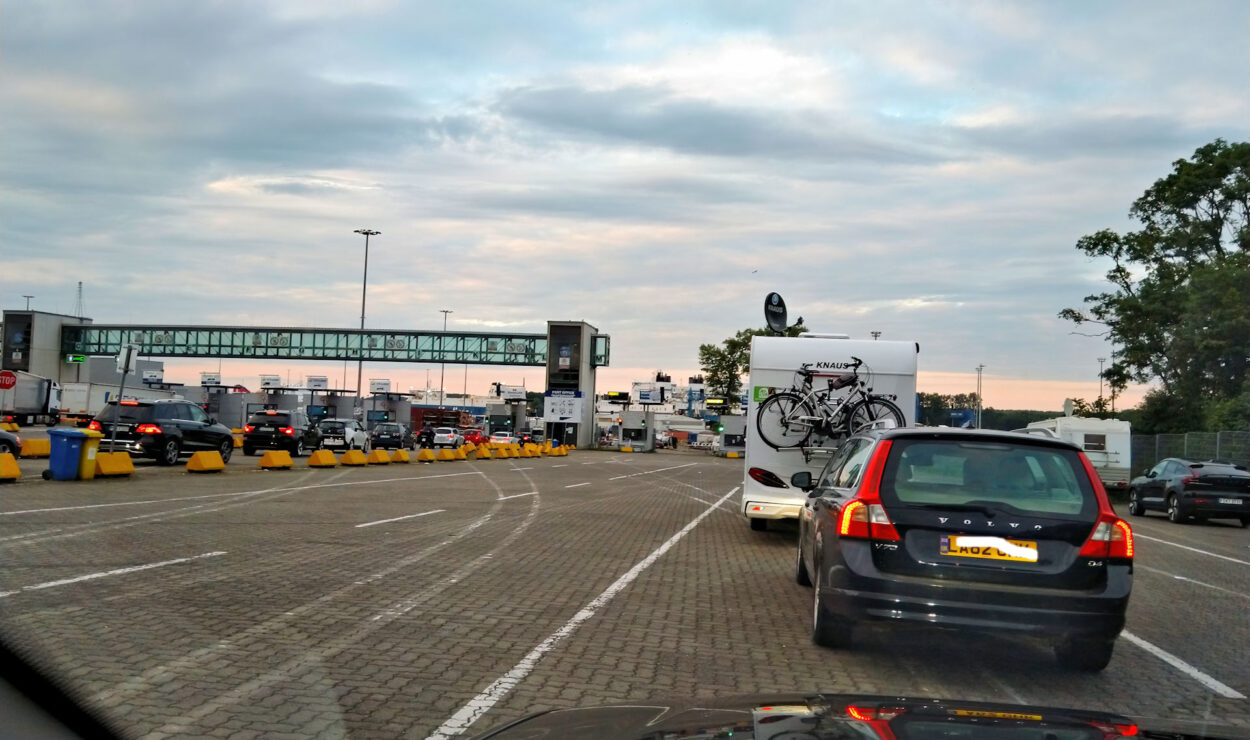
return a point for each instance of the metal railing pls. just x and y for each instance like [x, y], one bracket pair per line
[1149, 449]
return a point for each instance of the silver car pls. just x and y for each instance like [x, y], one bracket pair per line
[447, 437]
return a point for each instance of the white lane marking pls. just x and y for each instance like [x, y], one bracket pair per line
[502, 686]
[717, 504]
[1190, 580]
[400, 518]
[1140, 536]
[560, 466]
[576, 485]
[1222, 689]
[649, 472]
[517, 495]
[589, 463]
[223, 495]
[519, 469]
[105, 574]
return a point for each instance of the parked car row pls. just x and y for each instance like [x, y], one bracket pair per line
[1187, 489]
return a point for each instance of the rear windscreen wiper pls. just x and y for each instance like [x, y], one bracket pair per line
[979, 508]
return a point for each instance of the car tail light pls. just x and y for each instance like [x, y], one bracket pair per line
[1115, 731]
[248, 428]
[865, 516]
[876, 718]
[148, 429]
[289, 431]
[1112, 538]
[94, 426]
[129, 403]
[767, 477]
[1188, 479]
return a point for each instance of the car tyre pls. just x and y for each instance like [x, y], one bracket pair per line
[827, 630]
[1089, 655]
[1245, 522]
[759, 525]
[169, 452]
[1174, 510]
[226, 449]
[801, 576]
[1134, 503]
[6, 447]
[298, 449]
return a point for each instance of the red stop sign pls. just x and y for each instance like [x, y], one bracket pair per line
[7, 380]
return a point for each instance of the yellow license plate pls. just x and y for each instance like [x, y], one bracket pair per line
[995, 715]
[988, 548]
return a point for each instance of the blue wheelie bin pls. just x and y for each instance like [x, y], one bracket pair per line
[63, 458]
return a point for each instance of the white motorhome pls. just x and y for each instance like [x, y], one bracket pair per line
[1107, 444]
[891, 369]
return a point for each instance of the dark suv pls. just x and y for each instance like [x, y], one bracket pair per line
[280, 430]
[1184, 489]
[966, 529]
[162, 430]
[392, 435]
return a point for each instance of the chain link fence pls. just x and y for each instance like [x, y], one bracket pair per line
[1149, 449]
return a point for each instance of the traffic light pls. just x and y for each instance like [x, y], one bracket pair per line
[720, 428]
[644, 423]
[619, 420]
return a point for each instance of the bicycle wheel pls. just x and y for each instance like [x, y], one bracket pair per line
[785, 420]
[864, 412]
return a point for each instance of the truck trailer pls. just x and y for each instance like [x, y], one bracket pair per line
[32, 399]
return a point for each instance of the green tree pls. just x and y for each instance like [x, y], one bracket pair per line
[724, 364]
[935, 408]
[1178, 311]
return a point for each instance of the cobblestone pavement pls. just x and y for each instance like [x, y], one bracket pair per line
[404, 601]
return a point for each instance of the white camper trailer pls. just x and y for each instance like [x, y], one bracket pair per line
[1107, 444]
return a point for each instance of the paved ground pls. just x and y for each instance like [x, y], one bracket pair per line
[416, 600]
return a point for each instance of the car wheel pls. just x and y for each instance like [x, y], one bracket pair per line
[1174, 510]
[6, 447]
[226, 449]
[1245, 521]
[1085, 654]
[1134, 504]
[298, 450]
[759, 525]
[801, 576]
[827, 630]
[169, 453]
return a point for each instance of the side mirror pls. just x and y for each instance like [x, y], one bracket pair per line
[1150, 473]
[802, 479]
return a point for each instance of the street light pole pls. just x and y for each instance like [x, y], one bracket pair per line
[27, 297]
[364, 284]
[442, 353]
[1101, 360]
[979, 404]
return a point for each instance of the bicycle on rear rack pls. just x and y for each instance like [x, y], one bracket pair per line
[789, 418]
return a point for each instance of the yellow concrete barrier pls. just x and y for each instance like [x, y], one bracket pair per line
[206, 462]
[9, 426]
[9, 472]
[483, 452]
[113, 463]
[378, 457]
[425, 455]
[322, 459]
[458, 454]
[276, 460]
[627, 449]
[524, 452]
[36, 447]
[238, 442]
[400, 456]
[731, 454]
[354, 458]
[236, 431]
[445, 455]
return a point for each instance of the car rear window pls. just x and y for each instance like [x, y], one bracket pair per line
[258, 419]
[1017, 478]
[331, 426]
[388, 428]
[1220, 469]
[128, 413]
[442, 430]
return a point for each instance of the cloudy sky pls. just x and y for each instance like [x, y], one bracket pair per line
[922, 169]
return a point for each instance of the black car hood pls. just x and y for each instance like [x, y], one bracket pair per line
[857, 717]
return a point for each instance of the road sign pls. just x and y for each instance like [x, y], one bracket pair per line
[7, 380]
[75, 359]
[128, 358]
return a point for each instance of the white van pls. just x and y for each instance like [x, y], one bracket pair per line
[891, 369]
[1108, 443]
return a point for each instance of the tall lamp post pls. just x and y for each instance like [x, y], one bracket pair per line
[364, 283]
[1101, 360]
[979, 369]
[442, 372]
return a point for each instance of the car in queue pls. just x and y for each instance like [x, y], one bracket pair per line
[503, 438]
[280, 430]
[474, 436]
[391, 435]
[343, 434]
[1186, 490]
[447, 437]
[162, 429]
[967, 529]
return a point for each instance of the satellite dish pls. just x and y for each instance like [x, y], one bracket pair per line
[775, 313]
[1067, 406]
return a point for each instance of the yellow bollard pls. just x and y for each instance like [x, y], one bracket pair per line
[206, 462]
